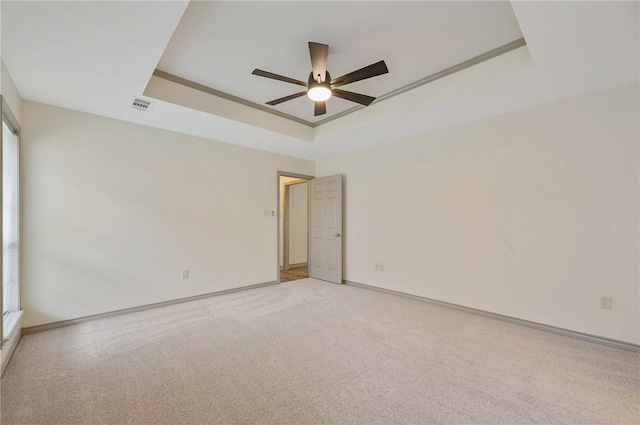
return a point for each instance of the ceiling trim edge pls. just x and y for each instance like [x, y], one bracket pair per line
[506, 48]
[206, 89]
[498, 51]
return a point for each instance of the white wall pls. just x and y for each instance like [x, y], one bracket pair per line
[533, 214]
[9, 92]
[112, 211]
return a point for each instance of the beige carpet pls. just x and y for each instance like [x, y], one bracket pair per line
[310, 352]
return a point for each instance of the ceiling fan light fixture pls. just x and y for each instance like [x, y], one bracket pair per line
[319, 92]
[321, 89]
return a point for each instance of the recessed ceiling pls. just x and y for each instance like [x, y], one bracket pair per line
[95, 57]
[218, 44]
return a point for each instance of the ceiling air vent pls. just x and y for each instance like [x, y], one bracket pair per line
[141, 104]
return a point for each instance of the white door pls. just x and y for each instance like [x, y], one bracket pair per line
[326, 229]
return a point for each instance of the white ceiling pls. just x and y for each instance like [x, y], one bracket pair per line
[218, 44]
[94, 56]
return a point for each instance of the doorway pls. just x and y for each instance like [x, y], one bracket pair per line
[293, 228]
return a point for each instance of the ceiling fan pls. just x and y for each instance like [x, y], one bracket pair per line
[320, 86]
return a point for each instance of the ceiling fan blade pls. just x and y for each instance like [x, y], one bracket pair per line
[319, 53]
[286, 98]
[362, 99]
[373, 70]
[320, 108]
[273, 76]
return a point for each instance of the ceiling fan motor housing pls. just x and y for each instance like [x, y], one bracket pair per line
[313, 79]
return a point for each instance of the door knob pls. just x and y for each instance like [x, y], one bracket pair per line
[337, 235]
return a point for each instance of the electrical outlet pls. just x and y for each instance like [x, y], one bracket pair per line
[379, 267]
[184, 274]
[606, 302]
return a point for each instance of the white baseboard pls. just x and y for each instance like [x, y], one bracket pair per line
[9, 348]
[53, 325]
[566, 332]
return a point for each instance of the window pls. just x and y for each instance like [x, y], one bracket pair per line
[10, 224]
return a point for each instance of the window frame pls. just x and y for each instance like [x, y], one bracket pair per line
[14, 126]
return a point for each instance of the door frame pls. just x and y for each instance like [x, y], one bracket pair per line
[285, 222]
[297, 176]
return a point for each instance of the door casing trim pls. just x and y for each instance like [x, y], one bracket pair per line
[297, 176]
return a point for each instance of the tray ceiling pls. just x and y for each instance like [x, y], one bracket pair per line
[218, 44]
